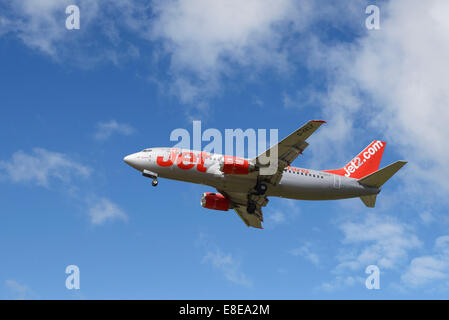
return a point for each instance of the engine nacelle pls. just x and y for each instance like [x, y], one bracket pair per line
[234, 165]
[215, 201]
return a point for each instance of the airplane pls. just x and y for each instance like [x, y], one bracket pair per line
[241, 185]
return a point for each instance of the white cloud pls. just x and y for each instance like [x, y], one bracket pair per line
[205, 39]
[372, 240]
[306, 252]
[41, 26]
[224, 262]
[286, 210]
[6, 25]
[108, 128]
[380, 240]
[276, 217]
[42, 166]
[103, 210]
[228, 265]
[430, 268]
[341, 282]
[427, 217]
[19, 291]
[401, 68]
[391, 80]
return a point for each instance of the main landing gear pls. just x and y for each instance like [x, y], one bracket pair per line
[251, 207]
[151, 175]
[261, 188]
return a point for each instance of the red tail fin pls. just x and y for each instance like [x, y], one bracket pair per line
[365, 163]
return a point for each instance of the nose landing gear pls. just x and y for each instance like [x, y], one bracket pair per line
[151, 175]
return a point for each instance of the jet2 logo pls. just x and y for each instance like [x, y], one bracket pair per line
[188, 160]
[364, 156]
[184, 160]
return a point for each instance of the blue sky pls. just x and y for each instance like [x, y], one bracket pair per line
[75, 102]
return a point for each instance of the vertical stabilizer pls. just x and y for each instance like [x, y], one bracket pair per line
[365, 163]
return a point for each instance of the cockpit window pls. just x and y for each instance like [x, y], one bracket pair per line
[146, 150]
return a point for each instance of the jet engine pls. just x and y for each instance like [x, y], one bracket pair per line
[215, 201]
[234, 165]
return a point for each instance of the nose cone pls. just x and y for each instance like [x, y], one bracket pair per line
[128, 159]
[132, 160]
[136, 160]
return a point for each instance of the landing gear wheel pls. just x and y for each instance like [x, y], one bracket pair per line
[154, 183]
[251, 208]
[261, 188]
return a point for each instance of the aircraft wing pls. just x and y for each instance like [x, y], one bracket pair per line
[239, 203]
[251, 220]
[287, 151]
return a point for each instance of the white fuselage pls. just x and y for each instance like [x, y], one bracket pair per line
[204, 168]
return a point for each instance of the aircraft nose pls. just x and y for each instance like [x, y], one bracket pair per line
[128, 159]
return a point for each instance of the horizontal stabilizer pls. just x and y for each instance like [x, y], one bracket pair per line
[369, 201]
[378, 178]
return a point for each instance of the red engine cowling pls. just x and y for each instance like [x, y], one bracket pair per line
[233, 165]
[216, 201]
